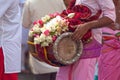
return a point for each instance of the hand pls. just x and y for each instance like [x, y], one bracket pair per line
[114, 26]
[80, 32]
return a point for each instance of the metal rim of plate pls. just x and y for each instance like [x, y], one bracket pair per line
[79, 49]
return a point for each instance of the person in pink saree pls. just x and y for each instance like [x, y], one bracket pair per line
[109, 62]
[94, 14]
[109, 65]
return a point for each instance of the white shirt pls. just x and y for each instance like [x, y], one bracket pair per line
[10, 34]
[22, 1]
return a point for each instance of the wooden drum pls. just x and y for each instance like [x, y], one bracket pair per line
[64, 51]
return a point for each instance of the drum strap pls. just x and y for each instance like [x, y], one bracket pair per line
[46, 57]
[29, 42]
[45, 53]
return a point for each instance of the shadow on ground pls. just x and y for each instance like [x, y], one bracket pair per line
[24, 76]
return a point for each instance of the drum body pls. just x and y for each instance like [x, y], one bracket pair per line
[64, 51]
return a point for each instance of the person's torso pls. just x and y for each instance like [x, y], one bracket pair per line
[40, 8]
[10, 23]
[93, 5]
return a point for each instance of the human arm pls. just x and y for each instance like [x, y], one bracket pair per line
[116, 25]
[83, 28]
[66, 2]
[26, 16]
[108, 17]
[117, 5]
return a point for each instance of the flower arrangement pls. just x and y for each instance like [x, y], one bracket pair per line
[46, 30]
[82, 14]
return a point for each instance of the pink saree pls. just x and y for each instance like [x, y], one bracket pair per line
[84, 68]
[109, 63]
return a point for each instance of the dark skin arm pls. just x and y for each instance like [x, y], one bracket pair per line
[67, 2]
[116, 25]
[83, 28]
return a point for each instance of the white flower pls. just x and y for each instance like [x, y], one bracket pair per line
[48, 27]
[42, 38]
[58, 18]
[36, 29]
[31, 33]
[56, 23]
[46, 18]
[51, 27]
[43, 29]
[71, 15]
[49, 39]
[37, 40]
[45, 44]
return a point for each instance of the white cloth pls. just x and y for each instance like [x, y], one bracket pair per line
[10, 34]
[34, 10]
[41, 67]
[22, 1]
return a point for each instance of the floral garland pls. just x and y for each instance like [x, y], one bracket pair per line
[46, 30]
[82, 14]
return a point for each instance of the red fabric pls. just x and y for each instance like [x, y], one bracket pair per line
[82, 15]
[4, 76]
[1, 64]
[12, 76]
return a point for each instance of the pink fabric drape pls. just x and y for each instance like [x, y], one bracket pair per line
[109, 63]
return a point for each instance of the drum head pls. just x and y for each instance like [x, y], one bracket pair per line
[67, 51]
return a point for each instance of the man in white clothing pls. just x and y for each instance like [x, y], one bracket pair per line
[34, 10]
[10, 39]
